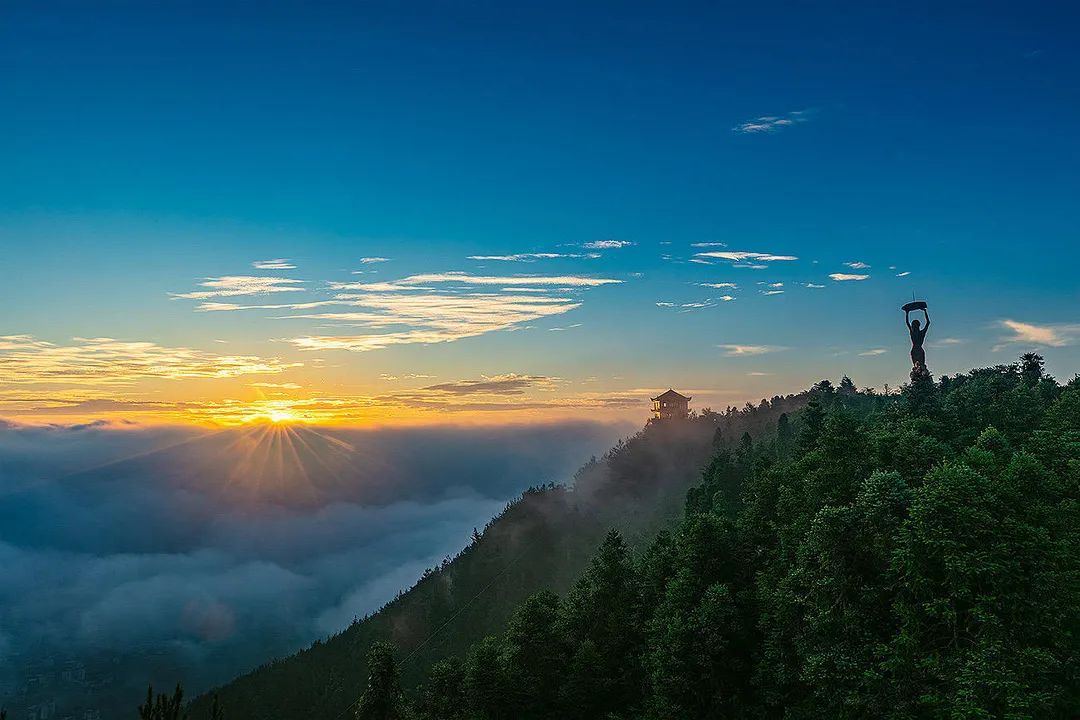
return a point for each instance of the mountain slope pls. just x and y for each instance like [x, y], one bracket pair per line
[911, 556]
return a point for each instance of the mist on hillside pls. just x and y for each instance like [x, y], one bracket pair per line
[169, 552]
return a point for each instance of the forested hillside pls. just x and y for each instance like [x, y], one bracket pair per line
[915, 556]
[541, 542]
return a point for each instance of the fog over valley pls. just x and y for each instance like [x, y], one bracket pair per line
[201, 554]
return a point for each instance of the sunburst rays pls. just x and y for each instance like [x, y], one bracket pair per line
[282, 460]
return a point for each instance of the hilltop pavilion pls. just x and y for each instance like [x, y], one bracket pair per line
[670, 404]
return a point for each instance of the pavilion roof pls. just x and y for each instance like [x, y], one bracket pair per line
[671, 395]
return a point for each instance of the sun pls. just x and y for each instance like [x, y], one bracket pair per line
[281, 416]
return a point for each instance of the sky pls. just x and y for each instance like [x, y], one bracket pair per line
[389, 213]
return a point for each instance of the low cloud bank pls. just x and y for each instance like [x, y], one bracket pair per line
[123, 558]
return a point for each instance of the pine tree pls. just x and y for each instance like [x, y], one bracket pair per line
[1032, 367]
[602, 621]
[698, 652]
[535, 657]
[485, 681]
[442, 697]
[163, 707]
[813, 418]
[785, 438]
[383, 698]
[216, 712]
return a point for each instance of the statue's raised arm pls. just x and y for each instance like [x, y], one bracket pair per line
[927, 316]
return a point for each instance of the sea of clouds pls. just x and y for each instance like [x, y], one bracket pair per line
[94, 566]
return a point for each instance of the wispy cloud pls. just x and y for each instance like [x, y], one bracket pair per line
[418, 310]
[424, 399]
[467, 279]
[846, 277]
[874, 352]
[720, 285]
[857, 265]
[607, 244]
[814, 286]
[770, 123]
[731, 350]
[25, 360]
[276, 264]
[1053, 335]
[406, 376]
[946, 342]
[903, 274]
[743, 255]
[226, 307]
[237, 285]
[508, 384]
[531, 257]
[373, 259]
[696, 305]
[276, 386]
[708, 244]
[772, 292]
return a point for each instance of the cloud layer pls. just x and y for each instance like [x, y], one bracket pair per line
[218, 585]
[25, 360]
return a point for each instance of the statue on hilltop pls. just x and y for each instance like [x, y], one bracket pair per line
[918, 334]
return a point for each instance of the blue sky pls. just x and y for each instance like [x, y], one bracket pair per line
[151, 149]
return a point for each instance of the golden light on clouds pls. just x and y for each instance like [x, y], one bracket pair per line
[26, 360]
[236, 285]
[421, 309]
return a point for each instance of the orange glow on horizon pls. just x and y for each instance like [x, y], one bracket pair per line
[281, 416]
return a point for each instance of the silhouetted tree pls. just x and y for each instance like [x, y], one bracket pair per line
[216, 711]
[163, 707]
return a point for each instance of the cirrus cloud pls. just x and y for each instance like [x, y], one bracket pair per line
[275, 264]
[744, 255]
[532, 256]
[1050, 335]
[770, 123]
[237, 285]
[26, 360]
[732, 350]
